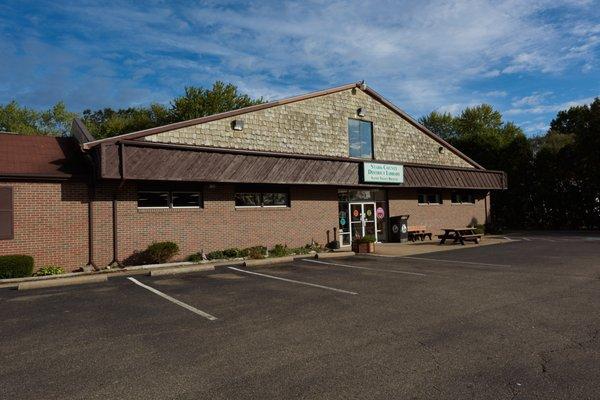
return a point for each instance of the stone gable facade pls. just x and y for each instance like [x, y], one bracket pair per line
[318, 126]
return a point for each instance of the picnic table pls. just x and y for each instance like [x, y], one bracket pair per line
[418, 232]
[459, 235]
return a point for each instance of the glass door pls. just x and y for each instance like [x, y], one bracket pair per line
[363, 220]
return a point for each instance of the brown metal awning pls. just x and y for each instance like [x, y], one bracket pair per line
[138, 160]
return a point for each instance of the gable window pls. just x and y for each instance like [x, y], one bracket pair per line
[6, 213]
[463, 198]
[152, 197]
[430, 198]
[261, 197]
[360, 138]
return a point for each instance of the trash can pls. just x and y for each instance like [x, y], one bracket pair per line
[399, 231]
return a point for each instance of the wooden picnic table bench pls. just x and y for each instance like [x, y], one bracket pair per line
[460, 235]
[418, 232]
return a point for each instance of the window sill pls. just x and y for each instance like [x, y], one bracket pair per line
[168, 209]
[462, 204]
[428, 204]
[259, 208]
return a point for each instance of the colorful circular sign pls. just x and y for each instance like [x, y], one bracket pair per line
[355, 213]
[342, 221]
[380, 213]
[369, 212]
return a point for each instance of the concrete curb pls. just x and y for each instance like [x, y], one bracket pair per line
[268, 261]
[79, 280]
[182, 270]
[336, 254]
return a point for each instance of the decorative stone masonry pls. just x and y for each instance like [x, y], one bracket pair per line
[319, 126]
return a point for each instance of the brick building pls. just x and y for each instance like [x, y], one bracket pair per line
[281, 172]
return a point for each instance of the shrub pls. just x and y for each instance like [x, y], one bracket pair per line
[256, 252]
[300, 250]
[196, 257]
[366, 239]
[279, 250]
[479, 229]
[314, 246]
[49, 270]
[15, 266]
[161, 252]
[215, 255]
[232, 253]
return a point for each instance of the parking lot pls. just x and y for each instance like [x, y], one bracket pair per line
[518, 320]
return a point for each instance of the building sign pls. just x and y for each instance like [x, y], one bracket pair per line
[383, 173]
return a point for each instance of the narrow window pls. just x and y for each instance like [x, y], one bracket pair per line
[463, 198]
[153, 199]
[360, 138]
[6, 213]
[262, 198]
[429, 198]
[186, 200]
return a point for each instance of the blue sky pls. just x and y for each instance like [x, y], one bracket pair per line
[528, 59]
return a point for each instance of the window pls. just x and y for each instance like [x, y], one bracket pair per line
[360, 138]
[463, 198]
[185, 199]
[153, 199]
[252, 197]
[156, 197]
[430, 198]
[6, 213]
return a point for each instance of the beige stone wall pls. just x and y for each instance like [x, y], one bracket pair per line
[318, 126]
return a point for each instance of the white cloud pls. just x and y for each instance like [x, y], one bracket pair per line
[538, 108]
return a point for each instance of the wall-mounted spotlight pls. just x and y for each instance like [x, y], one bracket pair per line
[237, 125]
[441, 149]
[360, 112]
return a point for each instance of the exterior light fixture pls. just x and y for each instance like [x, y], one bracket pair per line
[237, 125]
[441, 149]
[360, 112]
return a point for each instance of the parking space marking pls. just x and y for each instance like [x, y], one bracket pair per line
[455, 261]
[292, 281]
[173, 300]
[367, 268]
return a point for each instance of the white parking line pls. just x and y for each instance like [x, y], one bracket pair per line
[367, 268]
[171, 299]
[292, 281]
[455, 261]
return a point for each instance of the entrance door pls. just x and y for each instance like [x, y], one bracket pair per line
[362, 220]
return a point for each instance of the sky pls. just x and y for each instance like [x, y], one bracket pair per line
[529, 58]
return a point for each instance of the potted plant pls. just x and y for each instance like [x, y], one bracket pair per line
[365, 244]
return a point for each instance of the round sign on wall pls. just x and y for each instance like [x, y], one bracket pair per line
[369, 212]
[380, 213]
[342, 221]
[355, 213]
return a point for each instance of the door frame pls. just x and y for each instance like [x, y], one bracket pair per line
[362, 218]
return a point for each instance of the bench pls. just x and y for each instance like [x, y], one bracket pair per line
[418, 232]
[460, 235]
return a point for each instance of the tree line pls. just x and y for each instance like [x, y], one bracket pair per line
[553, 179]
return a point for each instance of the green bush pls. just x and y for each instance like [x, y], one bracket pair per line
[366, 239]
[314, 247]
[232, 253]
[161, 252]
[215, 255]
[256, 252]
[300, 250]
[279, 250]
[49, 270]
[479, 229]
[15, 266]
[196, 257]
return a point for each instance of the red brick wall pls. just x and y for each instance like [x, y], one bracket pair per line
[50, 223]
[51, 220]
[435, 217]
[220, 225]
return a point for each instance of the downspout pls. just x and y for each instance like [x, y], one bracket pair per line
[91, 196]
[115, 223]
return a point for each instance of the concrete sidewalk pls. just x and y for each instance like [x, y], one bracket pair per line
[431, 246]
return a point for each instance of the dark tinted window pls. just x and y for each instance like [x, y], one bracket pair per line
[360, 138]
[247, 199]
[275, 199]
[430, 198]
[153, 199]
[186, 199]
[6, 213]
[463, 197]
[262, 198]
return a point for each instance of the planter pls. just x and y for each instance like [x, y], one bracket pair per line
[363, 247]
